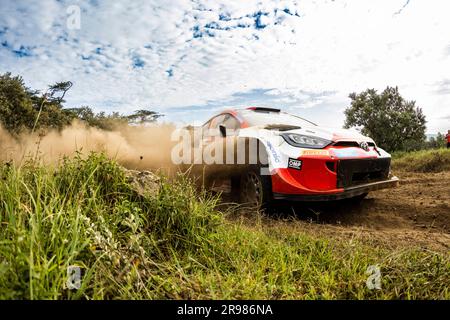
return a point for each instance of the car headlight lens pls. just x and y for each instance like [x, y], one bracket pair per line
[299, 140]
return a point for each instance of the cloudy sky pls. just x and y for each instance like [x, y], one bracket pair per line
[188, 59]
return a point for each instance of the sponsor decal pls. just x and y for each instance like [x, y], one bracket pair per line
[346, 153]
[295, 164]
[275, 155]
[315, 153]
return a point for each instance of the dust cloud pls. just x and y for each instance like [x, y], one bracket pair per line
[135, 147]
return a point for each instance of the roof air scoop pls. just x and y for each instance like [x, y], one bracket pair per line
[262, 109]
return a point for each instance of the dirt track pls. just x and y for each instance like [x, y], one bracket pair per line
[417, 213]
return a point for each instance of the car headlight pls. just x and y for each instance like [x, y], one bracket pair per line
[299, 140]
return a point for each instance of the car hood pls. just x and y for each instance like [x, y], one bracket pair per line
[332, 134]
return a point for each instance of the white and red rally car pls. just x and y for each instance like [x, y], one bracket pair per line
[304, 162]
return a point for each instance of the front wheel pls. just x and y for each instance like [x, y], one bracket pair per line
[255, 189]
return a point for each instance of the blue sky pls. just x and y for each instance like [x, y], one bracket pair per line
[189, 59]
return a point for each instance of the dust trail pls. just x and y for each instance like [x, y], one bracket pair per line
[135, 147]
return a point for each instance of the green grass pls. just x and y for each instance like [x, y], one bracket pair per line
[422, 161]
[175, 244]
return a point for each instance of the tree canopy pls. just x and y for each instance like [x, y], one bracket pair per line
[24, 109]
[394, 123]
[143, 116]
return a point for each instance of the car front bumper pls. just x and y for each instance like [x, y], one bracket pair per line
[348, 192]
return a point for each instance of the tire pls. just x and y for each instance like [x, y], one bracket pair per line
[235, 188]
[255, 189]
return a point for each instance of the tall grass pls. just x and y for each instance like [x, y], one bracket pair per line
[85, 213]
[175, 244]
[436, 160]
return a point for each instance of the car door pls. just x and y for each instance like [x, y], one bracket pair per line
[216, 170]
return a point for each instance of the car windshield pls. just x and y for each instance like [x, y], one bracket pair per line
[263, 118]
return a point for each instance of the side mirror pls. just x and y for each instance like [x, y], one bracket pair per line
[223, 131]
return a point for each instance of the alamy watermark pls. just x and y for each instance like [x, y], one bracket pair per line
[73, 281]
[73, 21]
[211, 146]
[374, 279]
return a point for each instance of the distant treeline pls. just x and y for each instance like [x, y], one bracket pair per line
[22, 108]
[393, 122]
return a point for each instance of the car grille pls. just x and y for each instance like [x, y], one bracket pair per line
[351, 144]
[354, 172]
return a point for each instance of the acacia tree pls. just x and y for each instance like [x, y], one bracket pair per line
[394, 123]
[99, 120]
[49, 107]
[144, 116]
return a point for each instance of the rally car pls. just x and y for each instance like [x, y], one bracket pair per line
[300, 161]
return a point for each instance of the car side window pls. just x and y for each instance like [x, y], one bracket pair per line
[230, 122]
[227, 120]
[209, 128]
[215, 122]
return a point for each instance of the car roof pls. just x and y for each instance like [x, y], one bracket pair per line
[243, 115]
[255, 113]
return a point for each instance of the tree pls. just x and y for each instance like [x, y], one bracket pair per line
[16, 105]
[436, 142]
[61, 88]
[22, 108]
[440, 140]
[394, 123]
[144, 116]
[49, 107]
[99, 120]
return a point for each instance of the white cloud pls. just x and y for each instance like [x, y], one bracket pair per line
[179, 53]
